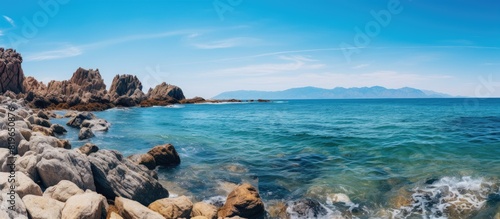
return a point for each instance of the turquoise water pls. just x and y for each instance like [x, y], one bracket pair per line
[366, 149]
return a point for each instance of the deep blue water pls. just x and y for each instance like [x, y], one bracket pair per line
[366, 149]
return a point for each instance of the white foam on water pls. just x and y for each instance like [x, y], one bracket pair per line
[461, 196]
[279, 101]
[176, 106]
[222, 103]
[327, 214]
[217, 201]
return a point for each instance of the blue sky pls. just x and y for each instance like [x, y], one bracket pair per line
[207, 47]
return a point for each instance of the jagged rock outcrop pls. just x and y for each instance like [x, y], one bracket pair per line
[84, 91]
[11, 73]
[166, 91]
[32, 85]
[126, 90]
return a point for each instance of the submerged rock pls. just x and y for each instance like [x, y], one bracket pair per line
[306, 208]
[110, 169]
[245, 202]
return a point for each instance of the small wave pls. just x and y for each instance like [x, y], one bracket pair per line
[309, 208]
[279, 101]
[221, 103]
[217, 201]
[176, 106]
[448, 197]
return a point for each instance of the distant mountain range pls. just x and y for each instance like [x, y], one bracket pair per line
[335, 93]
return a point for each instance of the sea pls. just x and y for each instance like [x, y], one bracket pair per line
[357, 158]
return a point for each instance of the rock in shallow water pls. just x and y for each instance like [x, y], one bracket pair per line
[85, 133]
[165, 155]
[245, 202]
[117, 176]
[144, 159]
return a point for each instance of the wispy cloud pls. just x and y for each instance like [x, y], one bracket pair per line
[360, 66]
[293, 63]
[10, 20]
[227, 43]
[69, 51]
[1, 33]
[75, 50]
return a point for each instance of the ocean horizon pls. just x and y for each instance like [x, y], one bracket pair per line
[408, 157]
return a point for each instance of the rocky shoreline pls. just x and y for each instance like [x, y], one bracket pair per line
[54, 180]
[44, 177]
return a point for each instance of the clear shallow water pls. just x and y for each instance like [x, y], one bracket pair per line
[370, 150]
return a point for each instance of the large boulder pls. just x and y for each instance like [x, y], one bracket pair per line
[166, 91]
[15, 207]
[165, 155]
[23, 184]
[27, 165]
[130, 209]
[5, 136]
[38, 143]
[88, 205]
[62, 191]
[11, 73]
[40, 207]
[55, 164]
[172, 208]
[117, 176]
[204, 209]
[144, 159]
[245, 202]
